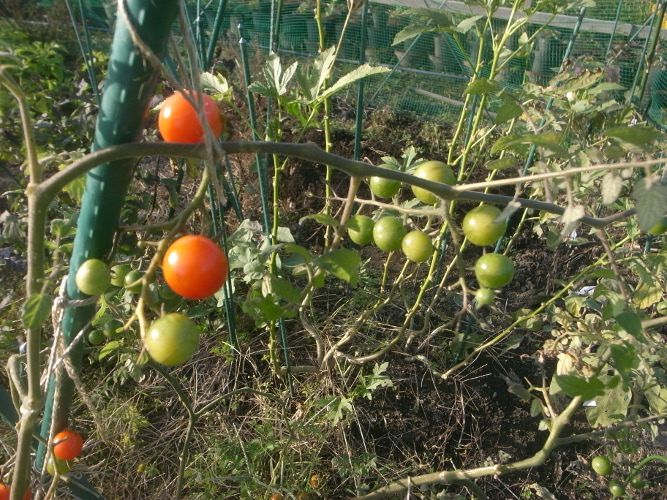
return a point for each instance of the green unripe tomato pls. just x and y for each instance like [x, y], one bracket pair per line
[480, 227]
[485, 296]
[167, 293]
[662, 307]
[63, 466]
[385, 188]
[93, 277]
[95, 337]
[659, 228]
[172, 339]
[388, 233]
[113, 329]
[616, 488]
[601, 465]
[494, 270]
[637, 481]
[417, 246]
[118, 274]
[360, 229]
[130, 281]
[435, 171]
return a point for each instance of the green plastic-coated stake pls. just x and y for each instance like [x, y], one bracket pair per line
[130, 84]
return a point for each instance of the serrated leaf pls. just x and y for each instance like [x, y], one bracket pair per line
[624, 357]
[353, 76]
[321, 218]
[634, 138]
[611, 186]
[465, 25]
[502, 163]
[505, 143]
[338, 406]
[107, 349]
[217, 83]
[311, 78]
[284, 289]
[410, 31]
[343, 263]
[575, 385]
[651, 202]
[508, 111]
[36, 310]
[481, 86]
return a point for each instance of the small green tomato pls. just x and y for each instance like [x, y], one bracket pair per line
[93, 277]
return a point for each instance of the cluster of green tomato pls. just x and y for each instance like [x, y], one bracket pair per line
[481, 226]
[603, 467]
[193, 267]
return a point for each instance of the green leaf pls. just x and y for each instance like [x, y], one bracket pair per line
[574, 385]
[36, 310]
[625, 358]
[636, 138]
[646, 295]
[321, 218]
[311, 78]
[284, 289]
[502, 163]
[108, 349]
[410, 31]
[353, 76]
[631, 323]
[481, 86]
[276, 79]
[657, 398]
[651, 202]
[465, 25]
[284, 235]
[62, 228]
[343, 264]
[338, 406]
[611, 406]
[508, 111]
[217, 83]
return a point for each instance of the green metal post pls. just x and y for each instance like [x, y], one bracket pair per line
[360, 85]
[130, 84]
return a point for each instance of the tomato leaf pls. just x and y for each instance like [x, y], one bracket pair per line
[108, 348]
[651, 202]
[502, 163]
[611, 187]
[634, 138]
[574, 385]
[611, 406]
[625, 358]
[36, 310]
[343, 264]
[321, 218]
[508, 111]
[482, 86]
[631, 323]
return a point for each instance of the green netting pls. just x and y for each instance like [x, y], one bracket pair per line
[430, 73]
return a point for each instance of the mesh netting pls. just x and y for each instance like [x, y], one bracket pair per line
[429, 73]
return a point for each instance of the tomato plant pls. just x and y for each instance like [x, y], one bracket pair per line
[96, 337]
[661, 307]
[131, 281]
[601, 465]
[384, 188]
[67, 445]
[388, 233]
[118, 274]
[485, 296]
[659, 227]
[360, 229]
[112, 329]
[195, 267]
[616, 488]
[178, 120]
[435, 171]
[494, 270]
[93, 277]
[480, 226]
[417, 246]
[172, 339]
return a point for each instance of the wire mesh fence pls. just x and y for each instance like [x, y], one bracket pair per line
[430, 72]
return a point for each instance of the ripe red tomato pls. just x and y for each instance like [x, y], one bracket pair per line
[435, 171]
[194, 267]
[172, 339]
[480, 228]
[494, 270]
[360, 229]
[384, 188]
[417, 246]
[178, 120]
[5, 491]
[388, 233]
[67, 445]
[93, 277]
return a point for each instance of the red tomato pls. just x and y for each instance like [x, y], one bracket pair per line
[178, 120]
[194, 267]
[4, 493]
[67, 445]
